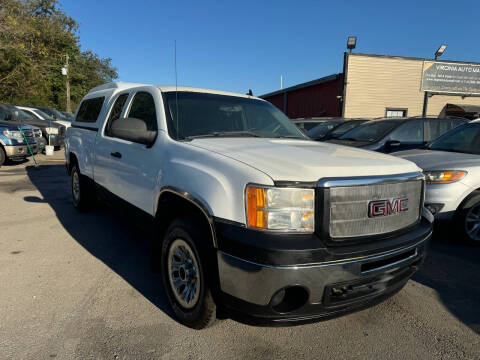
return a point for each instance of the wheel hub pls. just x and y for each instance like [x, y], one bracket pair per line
[183, 273]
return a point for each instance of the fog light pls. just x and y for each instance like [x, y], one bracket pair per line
[434, 208]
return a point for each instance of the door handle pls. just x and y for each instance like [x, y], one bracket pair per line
[116, 154]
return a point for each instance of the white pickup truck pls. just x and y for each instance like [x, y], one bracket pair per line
[250, 215]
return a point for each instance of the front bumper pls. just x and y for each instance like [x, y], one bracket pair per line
[16, 152]
[348, 281]
[446, 198]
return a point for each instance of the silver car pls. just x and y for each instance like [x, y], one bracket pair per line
[452, 168]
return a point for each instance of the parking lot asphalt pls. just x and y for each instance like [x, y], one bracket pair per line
[80, 286]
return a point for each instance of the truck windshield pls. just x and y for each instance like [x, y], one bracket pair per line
[204, 115]
[371, 131]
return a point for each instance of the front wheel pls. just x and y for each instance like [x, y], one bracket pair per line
[185, 275]
[3, 156]
[468, 219]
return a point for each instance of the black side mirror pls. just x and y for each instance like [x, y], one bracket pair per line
[134, 130]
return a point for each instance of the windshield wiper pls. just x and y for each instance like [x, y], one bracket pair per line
[223, 134]
[289, 137]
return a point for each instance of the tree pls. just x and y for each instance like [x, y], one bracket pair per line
[35, 36]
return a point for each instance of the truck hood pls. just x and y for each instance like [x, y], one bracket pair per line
[304, 160]
[440, 160]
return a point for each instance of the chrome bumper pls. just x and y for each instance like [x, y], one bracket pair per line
[16, 151]
[257, 283]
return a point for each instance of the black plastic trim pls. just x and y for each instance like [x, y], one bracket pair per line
[271, 248]
[84, 127]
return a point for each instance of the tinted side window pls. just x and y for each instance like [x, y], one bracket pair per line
[143, 108]
[434, 128]
[90, 109]
[409, 132]
[116, 111]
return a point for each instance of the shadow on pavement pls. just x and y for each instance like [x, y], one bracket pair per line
[453, 270]
[109, 236]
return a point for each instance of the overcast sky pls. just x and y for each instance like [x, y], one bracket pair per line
[241, 45]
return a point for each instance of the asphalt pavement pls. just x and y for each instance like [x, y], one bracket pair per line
[80, 286]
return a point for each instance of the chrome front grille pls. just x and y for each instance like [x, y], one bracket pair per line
[348, 212]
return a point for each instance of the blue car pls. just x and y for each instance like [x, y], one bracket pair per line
[13, 142]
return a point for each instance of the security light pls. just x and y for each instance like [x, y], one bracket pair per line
[440, 51]
[351, 42]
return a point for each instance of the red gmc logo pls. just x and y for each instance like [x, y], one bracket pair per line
[386, 207]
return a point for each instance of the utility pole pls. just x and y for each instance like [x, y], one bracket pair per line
[67, 86]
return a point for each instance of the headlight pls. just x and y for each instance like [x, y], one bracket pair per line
[287, 209]
[17, 135]
[51, 131]
[444, 176]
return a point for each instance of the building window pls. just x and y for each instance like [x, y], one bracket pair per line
[391, 112]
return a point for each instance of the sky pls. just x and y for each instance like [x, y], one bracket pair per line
[241, 45]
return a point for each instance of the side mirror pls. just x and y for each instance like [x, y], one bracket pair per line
[134, 130]
[392, 144]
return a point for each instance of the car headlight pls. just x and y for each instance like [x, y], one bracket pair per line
[444, 176]
[17, 135]
[51, 131]
[285, 209]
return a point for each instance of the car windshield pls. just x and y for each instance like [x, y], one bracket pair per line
[211, 115]
[321, 129]
[371, 131]
[343, 128]
[463, 139]
[20, 114]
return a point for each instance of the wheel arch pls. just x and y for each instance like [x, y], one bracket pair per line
[172, 202]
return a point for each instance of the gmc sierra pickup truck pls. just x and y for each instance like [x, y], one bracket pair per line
[250, 215]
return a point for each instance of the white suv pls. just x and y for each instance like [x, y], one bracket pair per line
[249, 214]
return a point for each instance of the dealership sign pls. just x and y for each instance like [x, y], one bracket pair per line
[453, 78]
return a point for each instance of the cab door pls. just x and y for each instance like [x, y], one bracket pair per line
[125, 168]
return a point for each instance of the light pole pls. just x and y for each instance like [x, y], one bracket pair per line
[438, 53]
[66, 73]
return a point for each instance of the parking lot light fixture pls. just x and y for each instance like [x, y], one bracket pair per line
[351, 43]
[440, 51]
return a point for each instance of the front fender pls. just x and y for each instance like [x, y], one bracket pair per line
[215, 181]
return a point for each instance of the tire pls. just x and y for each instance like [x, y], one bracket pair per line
[467, 219]
[82, 197]
[181, 245]
[3, 156]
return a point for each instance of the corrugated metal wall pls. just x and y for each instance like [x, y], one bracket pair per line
[311, 101]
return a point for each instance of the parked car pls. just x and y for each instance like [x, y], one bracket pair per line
[51, 131]
[68, 116]
[452, 168]
[54, 113]
[390, 135]
[340, 127]
[318, 131]
[305, 124]
[39, 114]
[343, 128]
[12, 141]
[249, 214]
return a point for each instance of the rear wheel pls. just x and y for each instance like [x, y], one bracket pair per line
[468, 219]
[185, 274]
[82, 197]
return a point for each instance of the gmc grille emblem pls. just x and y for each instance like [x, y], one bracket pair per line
[386, 207]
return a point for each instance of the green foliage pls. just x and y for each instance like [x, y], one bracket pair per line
[35, 36]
